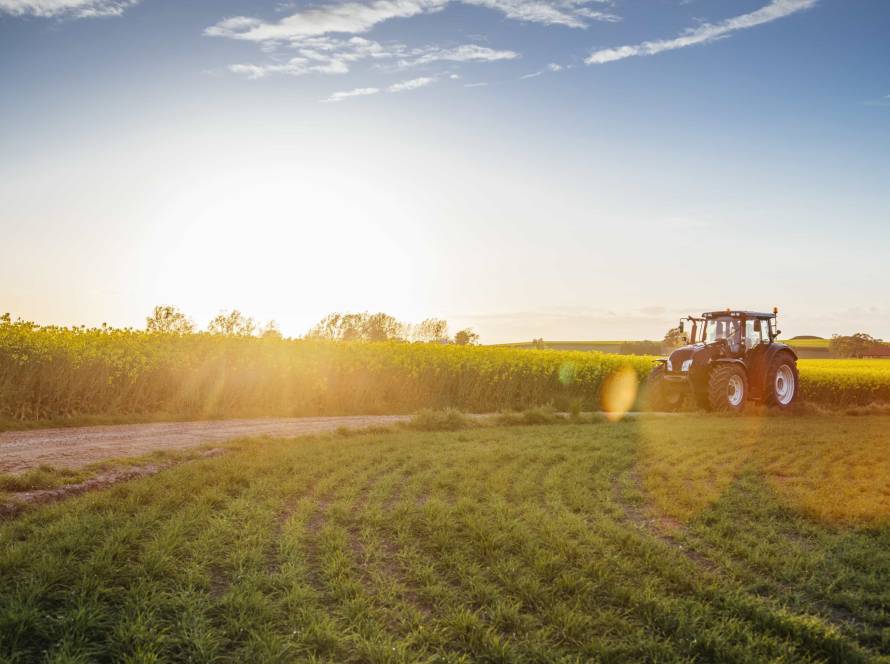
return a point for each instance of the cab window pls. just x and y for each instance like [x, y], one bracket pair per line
[723, 328]
[755, 332]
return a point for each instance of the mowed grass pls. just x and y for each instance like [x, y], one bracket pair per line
[535, 543]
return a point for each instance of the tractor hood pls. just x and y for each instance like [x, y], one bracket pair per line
[700, 354]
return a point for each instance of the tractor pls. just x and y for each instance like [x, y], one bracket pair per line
[731, 358]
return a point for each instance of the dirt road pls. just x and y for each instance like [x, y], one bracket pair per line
[79, 446]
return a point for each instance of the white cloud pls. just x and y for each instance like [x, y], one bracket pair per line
[552, 67]
[704, 33]
[75, 8]
[475, 85]
[348, 17]
[332, 55]
[570, 13]
[464, 53]
[358, 92]
[357, 17]
[323, 55]
[411, 84]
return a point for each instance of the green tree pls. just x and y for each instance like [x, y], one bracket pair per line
[854, 345]
[466, 337]
[233, 323]
[674, 338]
[358, 327]
[167, 319]
[431, 330]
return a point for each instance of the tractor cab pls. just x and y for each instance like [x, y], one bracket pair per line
[720, 343]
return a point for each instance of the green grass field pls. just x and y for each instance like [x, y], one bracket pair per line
[807, 343]
[538, 543]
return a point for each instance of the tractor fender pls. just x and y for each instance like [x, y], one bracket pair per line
[729, 360]
[774, 349]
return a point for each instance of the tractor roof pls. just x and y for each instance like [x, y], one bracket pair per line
[738, 314]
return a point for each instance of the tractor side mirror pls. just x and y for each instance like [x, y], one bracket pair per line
[680, 328]
[757, 327]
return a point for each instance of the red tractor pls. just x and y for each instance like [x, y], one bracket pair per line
[731, 358]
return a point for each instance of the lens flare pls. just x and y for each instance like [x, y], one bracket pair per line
[567, 373]
[619, 393]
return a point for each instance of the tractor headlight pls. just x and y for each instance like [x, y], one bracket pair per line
[685, 366]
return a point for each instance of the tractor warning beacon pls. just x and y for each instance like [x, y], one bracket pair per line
[731, 358]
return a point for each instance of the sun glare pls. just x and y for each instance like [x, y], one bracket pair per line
[270, 239]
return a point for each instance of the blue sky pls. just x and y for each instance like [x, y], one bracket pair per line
[531, 168]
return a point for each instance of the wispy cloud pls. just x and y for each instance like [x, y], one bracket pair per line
[73, 8]
[480, 84]
[552, 67]
[332, 55]
[324, 55]
[401, 86]
[704, 33]
[357, 92]
[570, 13]
[411, 84]
[344, 17]
[358, 17]
[464, 53]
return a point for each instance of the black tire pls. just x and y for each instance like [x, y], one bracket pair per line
[727, 388]
[658, 396]
[782, 387]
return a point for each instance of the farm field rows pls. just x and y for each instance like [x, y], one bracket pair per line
[545, 543]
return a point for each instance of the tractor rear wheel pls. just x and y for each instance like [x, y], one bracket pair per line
[658, 395]
[782, 382]
[727, 388]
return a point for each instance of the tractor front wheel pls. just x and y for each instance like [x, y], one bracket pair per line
[782, 382]
[658, 395]
[727, 388]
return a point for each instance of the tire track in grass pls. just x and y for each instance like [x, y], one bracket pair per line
[666, 530]
[308, 608]
[755, 609]
[357, 516]
[626, 591]
[680, 538]
[766, 580]
[333, 571]
[450, 577]
[399, 614]
[623, 588]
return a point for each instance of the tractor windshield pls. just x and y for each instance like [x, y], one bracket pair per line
[721, 328]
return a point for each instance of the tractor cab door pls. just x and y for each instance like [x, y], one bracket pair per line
[756, 343]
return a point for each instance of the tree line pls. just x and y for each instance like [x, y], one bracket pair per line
[362, 326]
